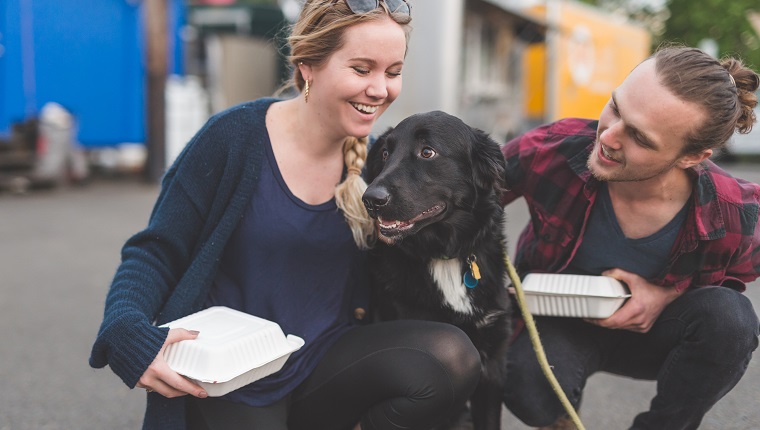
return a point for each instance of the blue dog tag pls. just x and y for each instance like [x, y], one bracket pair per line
[469, 280]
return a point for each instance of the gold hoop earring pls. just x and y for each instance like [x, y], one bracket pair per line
[306, 92]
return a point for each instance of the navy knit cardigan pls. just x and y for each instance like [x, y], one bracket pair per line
[167, 269]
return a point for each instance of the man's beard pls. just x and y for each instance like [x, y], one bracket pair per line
[623, 175]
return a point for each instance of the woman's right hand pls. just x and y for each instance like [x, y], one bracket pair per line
[163, 380]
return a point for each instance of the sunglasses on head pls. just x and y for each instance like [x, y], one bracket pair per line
[364, 6]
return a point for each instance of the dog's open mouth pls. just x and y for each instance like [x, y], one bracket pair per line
[393, 228]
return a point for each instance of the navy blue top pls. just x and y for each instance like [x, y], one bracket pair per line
[604, 245]
[168, 268]
[301, 273]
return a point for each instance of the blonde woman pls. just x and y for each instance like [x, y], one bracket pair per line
[250, 217]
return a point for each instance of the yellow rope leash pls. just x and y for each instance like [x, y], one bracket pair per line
[530, 324]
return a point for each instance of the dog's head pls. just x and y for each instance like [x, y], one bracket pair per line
[430, 175]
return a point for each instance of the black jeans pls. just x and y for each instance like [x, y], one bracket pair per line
[697, 351]
[393, 375]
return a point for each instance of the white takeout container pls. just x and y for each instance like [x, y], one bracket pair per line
[579, 296]
[232, 350]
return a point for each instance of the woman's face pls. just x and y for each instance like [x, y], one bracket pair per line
[359, 81]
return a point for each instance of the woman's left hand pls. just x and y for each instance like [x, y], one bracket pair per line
[646, 303]
[159, 377]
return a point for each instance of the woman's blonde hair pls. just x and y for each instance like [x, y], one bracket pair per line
[316, 35]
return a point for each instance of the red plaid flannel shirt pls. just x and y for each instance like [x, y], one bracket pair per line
[719, 243]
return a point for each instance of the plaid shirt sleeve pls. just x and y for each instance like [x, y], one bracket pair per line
[547, 166]
[722, 245]
[541, 154]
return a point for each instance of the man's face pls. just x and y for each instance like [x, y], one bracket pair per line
[642, 130]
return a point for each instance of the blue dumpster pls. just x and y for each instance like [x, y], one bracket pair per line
[86, 55]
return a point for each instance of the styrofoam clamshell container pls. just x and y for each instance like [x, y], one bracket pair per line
[232, 350]
[579, 296]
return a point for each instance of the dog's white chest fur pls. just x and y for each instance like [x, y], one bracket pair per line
[447, 274]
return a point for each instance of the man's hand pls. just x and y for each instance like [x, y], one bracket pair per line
[641, 310]
[162, 379]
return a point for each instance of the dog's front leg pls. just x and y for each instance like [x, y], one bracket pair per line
[485, 405]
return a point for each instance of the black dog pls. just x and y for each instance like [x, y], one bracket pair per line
[434, 186]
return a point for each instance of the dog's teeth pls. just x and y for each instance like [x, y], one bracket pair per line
[389, 224]
[430, 210]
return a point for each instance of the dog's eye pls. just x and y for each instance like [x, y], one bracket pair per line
[427, 152]
[385, 154]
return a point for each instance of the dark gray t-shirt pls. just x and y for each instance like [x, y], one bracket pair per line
[604, 246]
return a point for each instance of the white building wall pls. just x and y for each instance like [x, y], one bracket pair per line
[432, 68]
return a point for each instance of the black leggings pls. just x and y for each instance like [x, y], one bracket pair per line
[392, 375]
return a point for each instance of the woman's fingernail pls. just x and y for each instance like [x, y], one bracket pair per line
[195, 332]
[203, 394]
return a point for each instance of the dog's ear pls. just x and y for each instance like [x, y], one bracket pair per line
[374, 157]
[489, 166]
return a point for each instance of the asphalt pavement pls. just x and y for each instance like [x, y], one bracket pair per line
[58, 252]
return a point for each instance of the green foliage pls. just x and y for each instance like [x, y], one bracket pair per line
[689, 22]
[725, 21]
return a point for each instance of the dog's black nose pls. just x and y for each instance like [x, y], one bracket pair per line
[374, 198]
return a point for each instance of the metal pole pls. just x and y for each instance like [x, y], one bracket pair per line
[155, 16]
[553, 16]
